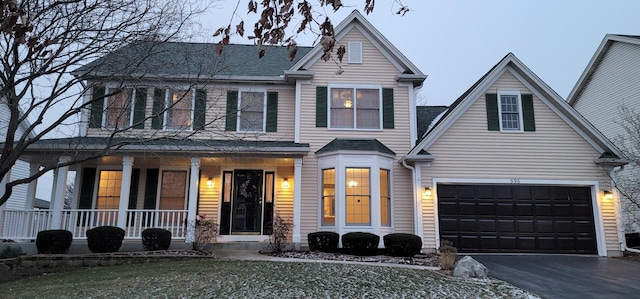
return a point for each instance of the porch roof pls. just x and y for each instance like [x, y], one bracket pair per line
[81, 146]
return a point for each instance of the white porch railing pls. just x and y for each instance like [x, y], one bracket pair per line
[25, 224]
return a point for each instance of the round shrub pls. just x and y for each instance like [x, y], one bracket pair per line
[399, 244]
[55, 241]
[105, 239]
[323, 241]
[360, 243]
[156, 239]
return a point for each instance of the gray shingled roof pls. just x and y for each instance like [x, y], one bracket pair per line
[339, 144]
[180, 60]
[425, 116]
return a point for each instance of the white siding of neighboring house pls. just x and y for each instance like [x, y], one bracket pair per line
[615, 84]
[19, 170]
[554, 152]
[374, 69]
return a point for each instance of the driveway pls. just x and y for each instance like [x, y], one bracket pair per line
[566, 276]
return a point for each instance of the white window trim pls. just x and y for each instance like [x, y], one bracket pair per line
[167, 97]
[186, 186]
[264, 108]
[510, 92]
[340, 162]
[105, 104]
[353, 46]
[355, 120]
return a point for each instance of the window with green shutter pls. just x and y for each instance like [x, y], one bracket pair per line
[139, 108]
[232, 110]
[510, 111]
[357, 107]
[200, 109]
[97, 107]
[157, 117]
[272, 112]
[321, 106]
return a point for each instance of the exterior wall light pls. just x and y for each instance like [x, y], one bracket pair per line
[607, 196]
[210, 182]
[285, 183]
[427, 193]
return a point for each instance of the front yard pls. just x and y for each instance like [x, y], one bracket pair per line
[254, 279]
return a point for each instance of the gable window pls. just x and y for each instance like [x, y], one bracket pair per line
[118, 108]
[510, 114]
[355, 52]
[179, 109]
[251, 111]
[355, 108]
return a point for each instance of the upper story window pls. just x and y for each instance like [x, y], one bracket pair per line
[355, 107]
[179, 107]
[355, 52]
[117, 112]
[510, 110]
[251, 114]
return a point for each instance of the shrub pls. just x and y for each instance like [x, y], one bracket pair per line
[11, 252]
[105, 239]
[323, 241]
[447, 255]
[281, 229]
[406, 245]
[55, 241]
[205, 234]
[360, 243]
[156, 239]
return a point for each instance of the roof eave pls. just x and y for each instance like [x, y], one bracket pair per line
[415, 79]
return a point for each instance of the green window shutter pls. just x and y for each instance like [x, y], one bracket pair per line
[157, 118]
[232, 110]
[85, 199]
[151, 189]
[200, 109]
[493, 121]
[133, 190]
[321, 106]
[387, 108]
[97, 107]
[139, 107]
[527, 113]
[272, 112]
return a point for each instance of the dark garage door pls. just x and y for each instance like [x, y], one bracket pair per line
[517, 218]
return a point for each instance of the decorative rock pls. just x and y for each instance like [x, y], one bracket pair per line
[468, 267]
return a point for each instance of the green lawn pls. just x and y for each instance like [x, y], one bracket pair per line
[253, 279]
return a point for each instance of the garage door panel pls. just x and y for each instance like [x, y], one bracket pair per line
[512, 218]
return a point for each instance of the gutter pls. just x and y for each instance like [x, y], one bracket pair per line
[417, 209]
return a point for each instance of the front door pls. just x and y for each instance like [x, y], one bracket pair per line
[246, 210]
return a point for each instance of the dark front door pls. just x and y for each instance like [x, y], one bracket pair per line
[246, 209]
[508, 218]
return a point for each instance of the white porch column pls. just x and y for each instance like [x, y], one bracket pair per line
[127, 165]
[57, 198]
[297, 201]
[32, 186]
[192, 204]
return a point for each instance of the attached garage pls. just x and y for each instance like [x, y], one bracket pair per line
[517, 218]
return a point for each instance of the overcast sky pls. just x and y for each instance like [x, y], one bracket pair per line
[456, 42]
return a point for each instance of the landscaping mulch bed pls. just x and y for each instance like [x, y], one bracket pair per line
[430, 260]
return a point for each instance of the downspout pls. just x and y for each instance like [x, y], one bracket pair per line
[622, 238]
[417, 218]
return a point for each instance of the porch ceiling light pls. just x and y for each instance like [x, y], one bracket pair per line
[210, 182]
[285, 183]
[427, 193]
[607, 195]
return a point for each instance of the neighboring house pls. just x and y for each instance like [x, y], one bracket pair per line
[334, 147]
[609, 85]
[511, 167]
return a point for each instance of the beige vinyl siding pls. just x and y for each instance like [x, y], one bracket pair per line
[374, 69]
[215, 116]
[554, 152]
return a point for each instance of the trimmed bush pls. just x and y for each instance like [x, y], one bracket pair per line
[156, 239]
[56, 241]
[399, 244]
[360, 243]
[104, 239]
[323, 241]
[11, 252]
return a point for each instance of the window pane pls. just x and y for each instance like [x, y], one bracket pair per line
[385, 198]
[109, 189]
[368, 109]
[179, 110]
[328, 197]
[252, 111]
[342, 106]
[173, 190]
[358, 196]
[118, 109]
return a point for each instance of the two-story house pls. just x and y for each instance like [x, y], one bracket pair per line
[334, 146]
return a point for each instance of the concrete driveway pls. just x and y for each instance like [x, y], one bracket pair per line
[567, 276]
